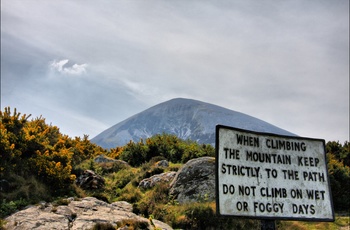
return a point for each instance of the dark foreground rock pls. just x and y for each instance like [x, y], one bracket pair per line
[195, 181]
[83, 214]
[90, 180]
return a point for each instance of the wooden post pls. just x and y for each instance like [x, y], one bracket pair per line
[267, 225]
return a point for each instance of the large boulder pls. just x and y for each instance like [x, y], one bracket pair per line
[156, 179]
[79, 214]
[195, 181]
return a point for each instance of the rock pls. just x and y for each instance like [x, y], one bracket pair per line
[110, 165]
[123, 206]
[195, 181]
[160, 225]
[82, 214]
[90, 180]
[162, 163]
[103, 159]
[36, 218]
[155, 179]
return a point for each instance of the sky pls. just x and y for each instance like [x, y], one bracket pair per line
[87, 65]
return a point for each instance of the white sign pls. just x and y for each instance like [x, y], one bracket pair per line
[263, 175]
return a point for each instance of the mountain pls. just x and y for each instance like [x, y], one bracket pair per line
[186, 118]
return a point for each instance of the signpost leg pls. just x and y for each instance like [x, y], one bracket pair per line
[267, 225]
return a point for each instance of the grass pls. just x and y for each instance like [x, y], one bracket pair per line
[156, 203]
[340, 223]
[122, 185]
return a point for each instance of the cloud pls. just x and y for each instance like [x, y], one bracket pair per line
[75, 69]
[58, 65]
[286, 63]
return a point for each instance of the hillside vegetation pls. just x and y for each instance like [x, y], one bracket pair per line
[37, 162]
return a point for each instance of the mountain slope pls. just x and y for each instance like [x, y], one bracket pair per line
[186, 118]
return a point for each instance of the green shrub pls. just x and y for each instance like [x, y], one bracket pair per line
[115, 182]
[9, 207]
[339, 174]
[164, 146]
[34, 148]
[28, 189]
[122, 178]
[134, 153]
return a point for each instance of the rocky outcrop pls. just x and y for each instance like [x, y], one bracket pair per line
[80, 214]
[90, 180]
[195, 181]
[156, 179]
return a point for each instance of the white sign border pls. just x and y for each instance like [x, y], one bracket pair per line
[217, 142]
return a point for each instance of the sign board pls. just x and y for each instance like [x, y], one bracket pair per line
[268, 176]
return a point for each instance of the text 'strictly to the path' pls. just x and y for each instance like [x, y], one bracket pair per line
[270, 176]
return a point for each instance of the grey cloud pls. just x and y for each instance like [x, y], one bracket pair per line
[279, 62]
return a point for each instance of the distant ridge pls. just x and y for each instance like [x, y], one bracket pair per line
[185, 118]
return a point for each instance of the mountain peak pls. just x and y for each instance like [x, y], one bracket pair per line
[185, 118]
